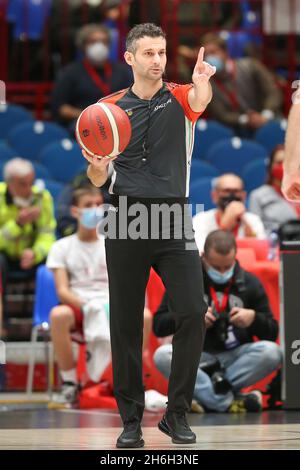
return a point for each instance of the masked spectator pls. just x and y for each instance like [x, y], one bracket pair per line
[229, 196]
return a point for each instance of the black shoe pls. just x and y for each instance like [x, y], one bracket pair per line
[247, 402]
[131, 436]
[175, 425]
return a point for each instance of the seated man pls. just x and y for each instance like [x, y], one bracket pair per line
[238, 311]
[86, 80]
[229, 196]
[27, 223]
[245, 92]
[79, 265]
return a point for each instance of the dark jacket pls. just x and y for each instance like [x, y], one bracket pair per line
[75, 87]
[245, 291]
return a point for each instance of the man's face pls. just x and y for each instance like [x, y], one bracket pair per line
[86, 201]
[221, 263]
[228, 186]
[214, 50]
[149, 60]
[20, 186]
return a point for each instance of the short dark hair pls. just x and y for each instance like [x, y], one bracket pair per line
[87, 30]
[142, 30]
[222, 241]
[78, 193]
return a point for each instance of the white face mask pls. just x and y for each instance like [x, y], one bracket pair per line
[22, 201]
[97, 52]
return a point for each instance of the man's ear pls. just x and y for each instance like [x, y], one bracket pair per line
[74, 211]
[128, 56]
[214, 197]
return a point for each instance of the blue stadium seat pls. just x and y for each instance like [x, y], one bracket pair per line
[41, 171]
[10, 116]
[271, 134]
[30, 138]
[6, 152]
[200, 193]
[54, 188]
[45, 295]
[202, 169]
[255, 174]
[63, 159]
[232, 155]
[208, 133]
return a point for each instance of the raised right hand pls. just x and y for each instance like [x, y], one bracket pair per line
[232, 214]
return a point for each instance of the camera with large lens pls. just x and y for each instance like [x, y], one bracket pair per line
[221, 327]
[212, 367]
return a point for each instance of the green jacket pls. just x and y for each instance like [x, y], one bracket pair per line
[38, 235]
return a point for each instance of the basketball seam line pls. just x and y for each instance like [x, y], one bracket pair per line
[114, 129]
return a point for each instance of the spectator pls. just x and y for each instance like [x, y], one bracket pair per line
[268, 201]
[85, 81]
[245, 92]
[66, 223]
[229, 196]
[27, 222]
[238, 312]
[79, 266]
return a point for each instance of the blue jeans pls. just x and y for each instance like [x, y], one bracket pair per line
[245, 365]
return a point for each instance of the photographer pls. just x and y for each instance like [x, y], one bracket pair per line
[229, 196]
[238, 312]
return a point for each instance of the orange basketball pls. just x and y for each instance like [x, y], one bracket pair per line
[103, 129]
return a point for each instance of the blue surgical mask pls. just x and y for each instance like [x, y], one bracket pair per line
[91, 216]
[220, 278]
[214, 60]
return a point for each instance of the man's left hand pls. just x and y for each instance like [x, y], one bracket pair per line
[202, 71]
[242, 317]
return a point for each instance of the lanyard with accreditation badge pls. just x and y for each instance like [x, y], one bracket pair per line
[220, 307]
[103, 86]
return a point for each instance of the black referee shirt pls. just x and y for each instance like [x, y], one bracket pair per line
[156, 163]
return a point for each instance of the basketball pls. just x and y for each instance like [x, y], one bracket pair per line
[103, 129]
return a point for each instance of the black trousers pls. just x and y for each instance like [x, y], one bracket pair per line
[129, 262]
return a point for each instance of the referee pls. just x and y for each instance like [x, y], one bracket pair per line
[154, 171]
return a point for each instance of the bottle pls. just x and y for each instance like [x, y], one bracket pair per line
[273, 246]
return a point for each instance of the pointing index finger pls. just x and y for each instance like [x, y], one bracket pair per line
[200, 56]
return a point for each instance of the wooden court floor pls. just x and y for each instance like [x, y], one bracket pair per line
[40, 428]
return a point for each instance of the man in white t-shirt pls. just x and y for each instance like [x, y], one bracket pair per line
[79, 266]
[229, 196]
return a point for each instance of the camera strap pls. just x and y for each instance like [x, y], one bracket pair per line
[224, 303]
[101, 84]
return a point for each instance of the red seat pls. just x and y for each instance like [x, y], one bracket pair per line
[246, 257]
[260, 247]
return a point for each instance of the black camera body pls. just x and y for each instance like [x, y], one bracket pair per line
[221, 327]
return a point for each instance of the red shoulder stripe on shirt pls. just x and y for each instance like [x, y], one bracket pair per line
[180, 92]
[114, 97]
